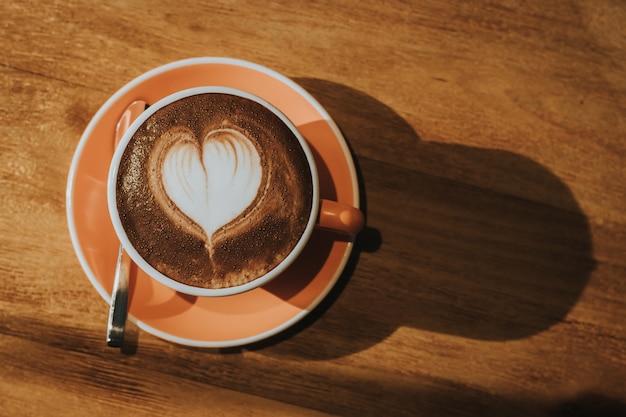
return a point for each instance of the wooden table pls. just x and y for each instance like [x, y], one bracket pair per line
[490, 141]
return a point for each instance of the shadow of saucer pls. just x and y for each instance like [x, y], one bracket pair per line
[479, 243]
[588, 405]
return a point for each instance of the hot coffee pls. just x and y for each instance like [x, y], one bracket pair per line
[214, 190]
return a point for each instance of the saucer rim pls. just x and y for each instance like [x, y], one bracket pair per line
[88, 132]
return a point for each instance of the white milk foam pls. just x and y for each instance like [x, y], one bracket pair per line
[215, 185]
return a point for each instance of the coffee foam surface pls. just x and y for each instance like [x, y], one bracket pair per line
[214, 190]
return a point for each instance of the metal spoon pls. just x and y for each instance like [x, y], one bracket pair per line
[119, 294]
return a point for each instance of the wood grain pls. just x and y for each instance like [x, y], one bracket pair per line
[490, 141]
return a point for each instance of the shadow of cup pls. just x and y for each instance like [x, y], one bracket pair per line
[479, 243]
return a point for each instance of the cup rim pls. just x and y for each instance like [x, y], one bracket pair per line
[156, 274]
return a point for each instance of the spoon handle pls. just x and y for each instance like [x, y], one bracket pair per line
[119, 301]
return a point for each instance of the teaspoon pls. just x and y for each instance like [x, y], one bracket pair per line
[119, 293]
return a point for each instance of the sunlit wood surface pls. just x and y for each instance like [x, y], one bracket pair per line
[491, 278]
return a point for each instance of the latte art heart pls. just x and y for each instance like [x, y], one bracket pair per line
[210, 182]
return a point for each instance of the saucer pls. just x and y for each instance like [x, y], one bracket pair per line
[212, 321]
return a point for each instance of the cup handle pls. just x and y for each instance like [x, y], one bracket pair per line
[340, 217]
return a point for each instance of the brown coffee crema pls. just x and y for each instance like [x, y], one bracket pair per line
[214, 190]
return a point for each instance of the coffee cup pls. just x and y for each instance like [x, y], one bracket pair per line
[213, 191]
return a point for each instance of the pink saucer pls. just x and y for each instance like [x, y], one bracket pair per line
[208, 321]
